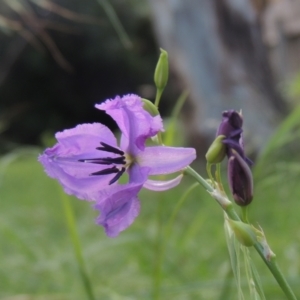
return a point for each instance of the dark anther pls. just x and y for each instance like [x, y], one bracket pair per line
[119, 174]
[105, 160]
[121, 160]
[112, 170]
[109, 148]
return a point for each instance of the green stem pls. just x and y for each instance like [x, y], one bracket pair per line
[245, 214]
[69, 215]
[219, 177]
[208, 170]
[159, 138]
[269, 261]
[200, 179]
[158, 258]
[158, 96]
[275, 270]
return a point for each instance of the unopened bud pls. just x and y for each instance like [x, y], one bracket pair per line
[150, 107]
[232, 122]
[244, 233]
[240, 179]
[217, 150]
[162, 70]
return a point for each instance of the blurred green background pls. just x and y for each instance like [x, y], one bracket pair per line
[38, 261]
[45, 88]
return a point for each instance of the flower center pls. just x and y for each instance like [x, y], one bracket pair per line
[119, 163]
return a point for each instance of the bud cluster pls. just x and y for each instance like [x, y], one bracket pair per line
[229, 141]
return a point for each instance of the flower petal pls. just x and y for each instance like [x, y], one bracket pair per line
[120, 209]
[165, 160]
[138, 174]
[119, 205]
[135, 123]
[162, 185]
[84, 138]
[62, 160]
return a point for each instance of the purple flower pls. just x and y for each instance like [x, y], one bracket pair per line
[88, 162]
[239, 173]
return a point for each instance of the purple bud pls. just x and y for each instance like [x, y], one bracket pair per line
[239, 173]
[240, 179]
[231, 125]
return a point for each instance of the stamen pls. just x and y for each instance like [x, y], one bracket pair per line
[105, 160]
[119, 174]
[112, 170]
[109, 148]
[121, 160]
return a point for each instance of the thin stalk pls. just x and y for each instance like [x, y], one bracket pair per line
[158, 96]
[269, 261]
[71, 224]
[116, 23]
[208, 170]
[245, 214]
[219, 177]
[199, 178]
[159, 138]
[275, 270]
[158, 251]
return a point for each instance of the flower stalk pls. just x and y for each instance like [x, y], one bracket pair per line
[267, 255]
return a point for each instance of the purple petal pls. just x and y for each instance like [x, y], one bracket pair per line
[231, 124]
[138, 174]
[84, 138]
[62, 161]
[162, 185]
[119, 209]
[135, 123]
[240, 179]
[165, 160]
[119, 205]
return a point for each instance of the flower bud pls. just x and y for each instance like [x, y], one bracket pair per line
[217, 151]
[150, 107]
[162, 70]
[240, 179]
[231, 125]
[244, 233]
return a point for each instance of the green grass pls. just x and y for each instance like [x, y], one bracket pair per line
[38, 261]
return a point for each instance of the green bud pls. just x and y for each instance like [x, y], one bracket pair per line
[245, 233]
[162, 70]
[217, 151]
[150, 107]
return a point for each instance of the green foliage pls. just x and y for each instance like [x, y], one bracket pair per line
[283, 145]
[243, 267]
[37, 258]
[292, 89]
